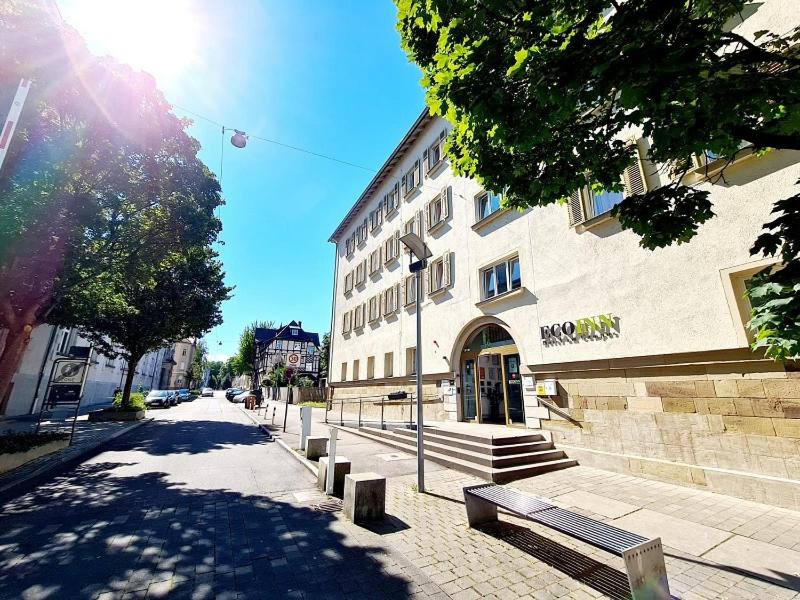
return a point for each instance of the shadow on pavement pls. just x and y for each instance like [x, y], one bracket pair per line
[588, 571]
[89, 532]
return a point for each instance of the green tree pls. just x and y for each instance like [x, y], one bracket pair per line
[541, 96]
[243, 360]
[324, 355]
[199, 362]
[173, 298]
[215, 377]
[101, 188]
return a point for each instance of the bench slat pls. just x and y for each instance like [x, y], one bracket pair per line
[510, 500]
[583, 528]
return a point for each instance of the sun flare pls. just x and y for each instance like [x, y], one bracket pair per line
[158, 36]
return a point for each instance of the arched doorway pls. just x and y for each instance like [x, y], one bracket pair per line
[491, 382]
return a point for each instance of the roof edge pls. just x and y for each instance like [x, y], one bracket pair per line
[423, 118]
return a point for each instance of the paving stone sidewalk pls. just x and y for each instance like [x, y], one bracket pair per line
[88, 436]
[716, 546]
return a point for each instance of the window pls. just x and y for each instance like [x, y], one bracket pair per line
[410, 290]
[391, 201]
[294, 331]
[388, 364]
[348, 282]
[184, 352]
[376, 217]
[486, 204]
[375, 261]
[361, 273]
[390, 300]
[344, 371]
[411, 361]
[501, 278]
[411, 179]
[362, 232]
[439, 274]
[358, 316]
[374, 308]
[370, 367]
[412, 225]
[434, 155]
[350, 244]
[438, 209]
[62, 345]
[355, 369]
[391, 248]
[585, 204]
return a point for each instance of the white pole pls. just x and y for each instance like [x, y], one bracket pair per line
[7, 132]
[331, 462]
[420, 444]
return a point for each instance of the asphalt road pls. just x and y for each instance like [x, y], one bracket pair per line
[181, 506]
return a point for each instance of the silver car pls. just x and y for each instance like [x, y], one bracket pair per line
[163, 398]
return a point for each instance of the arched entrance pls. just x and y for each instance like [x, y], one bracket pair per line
[491, 382]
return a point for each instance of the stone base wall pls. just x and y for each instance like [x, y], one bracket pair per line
[730, 428]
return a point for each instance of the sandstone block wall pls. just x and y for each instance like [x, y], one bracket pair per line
[734, 432]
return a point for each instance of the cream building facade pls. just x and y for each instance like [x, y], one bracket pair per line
[641, 357]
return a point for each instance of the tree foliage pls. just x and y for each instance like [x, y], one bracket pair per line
[103, 200]
[242, 361]
[544, 95]
[324, 355]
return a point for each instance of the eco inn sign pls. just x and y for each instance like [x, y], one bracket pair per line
[598, 327]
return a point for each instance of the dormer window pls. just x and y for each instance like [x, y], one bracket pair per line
[294, 331]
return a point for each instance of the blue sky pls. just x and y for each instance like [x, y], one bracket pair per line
[327, 76]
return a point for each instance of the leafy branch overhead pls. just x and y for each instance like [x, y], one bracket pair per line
[544, 97]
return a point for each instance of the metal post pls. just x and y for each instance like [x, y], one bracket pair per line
[383, 403]
[286, 410]
[341, 413]
[420, 446]
[360, 401]
[273, 414]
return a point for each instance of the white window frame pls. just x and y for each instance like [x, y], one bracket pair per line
[375, 263]
[391, 201]
[390, 299]
[507, 263]
[374, 308]
[438, 284]
[348, 282]
[411, 360]
[409, 290]
[347, 321]
[487, 195]
[391, 248]
[442, 199]
[358, 316]
[427, 155]
[361, 273]
[412, 179]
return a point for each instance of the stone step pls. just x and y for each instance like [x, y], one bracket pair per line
[488, 473]
[481, 457]
[481, 447]
[494, 439]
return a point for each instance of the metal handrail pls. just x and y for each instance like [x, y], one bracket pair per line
[560, 412]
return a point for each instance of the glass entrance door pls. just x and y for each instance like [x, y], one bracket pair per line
[490, 382]
[468, 407]
[513, 385]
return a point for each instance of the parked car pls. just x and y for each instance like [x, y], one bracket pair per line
[183, 395]
[163, 398]
[231, 392]
[242, 396]
[206, 391]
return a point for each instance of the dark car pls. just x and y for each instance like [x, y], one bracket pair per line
[162, 398]
[183, 395]
[231, 392]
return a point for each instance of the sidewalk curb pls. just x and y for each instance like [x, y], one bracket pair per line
[67, 459]
[303, 461]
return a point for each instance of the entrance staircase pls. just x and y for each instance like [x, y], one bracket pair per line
[496, 457]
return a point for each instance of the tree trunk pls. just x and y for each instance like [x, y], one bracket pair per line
[14, 349]
[126, 391]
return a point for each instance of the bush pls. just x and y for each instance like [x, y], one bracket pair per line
[11, 443]
[314, 404]
[194, 392]
[136, 403]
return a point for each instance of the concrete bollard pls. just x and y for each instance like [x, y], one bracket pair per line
[316, 446]
[341, 469]
[365, 497]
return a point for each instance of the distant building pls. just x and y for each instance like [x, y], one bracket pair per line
[176, 366]
[287, 345]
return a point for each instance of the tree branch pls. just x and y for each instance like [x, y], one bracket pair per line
[765, 139]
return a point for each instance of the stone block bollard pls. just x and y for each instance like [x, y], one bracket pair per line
[365, 497]
[341, 469]
[316, 446]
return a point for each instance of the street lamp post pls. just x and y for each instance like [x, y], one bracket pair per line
[421, 253]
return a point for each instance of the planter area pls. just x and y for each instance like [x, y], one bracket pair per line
[110, 414]
[9, 461]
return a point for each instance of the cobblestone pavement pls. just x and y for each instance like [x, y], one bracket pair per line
[197, 504]
[716, 546]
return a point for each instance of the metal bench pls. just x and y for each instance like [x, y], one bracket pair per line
[644, 559]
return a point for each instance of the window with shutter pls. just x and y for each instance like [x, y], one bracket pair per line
[397, 243]
[447, 261]
[425, 162]
[634, 177]
[410, 290]
[576, 212]
[396, 297]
